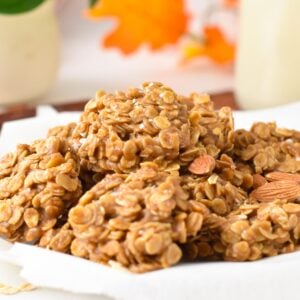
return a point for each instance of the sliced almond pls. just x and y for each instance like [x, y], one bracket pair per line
[202, 165]
[275, 176]
[287, 190]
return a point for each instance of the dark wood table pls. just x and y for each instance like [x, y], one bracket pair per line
[22, 111]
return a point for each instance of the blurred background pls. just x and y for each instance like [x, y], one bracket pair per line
[87, 66]
[80, 63]
[54, 51]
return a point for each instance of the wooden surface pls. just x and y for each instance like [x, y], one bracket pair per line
[22, 111]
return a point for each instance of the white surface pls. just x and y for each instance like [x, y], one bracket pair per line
[270, 279]
[33, 128]
[274, 278]
[86, 67]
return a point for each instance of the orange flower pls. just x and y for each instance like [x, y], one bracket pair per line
[156, 22]
[214, 46]
[230, 3]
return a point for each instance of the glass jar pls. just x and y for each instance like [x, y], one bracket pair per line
[268, 59]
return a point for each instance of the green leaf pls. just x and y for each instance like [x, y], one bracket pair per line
[18, 6]
[91, 2]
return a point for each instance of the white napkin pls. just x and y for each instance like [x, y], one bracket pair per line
[30, 129]
[273, 278]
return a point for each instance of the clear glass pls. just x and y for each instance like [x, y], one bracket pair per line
[268, 59]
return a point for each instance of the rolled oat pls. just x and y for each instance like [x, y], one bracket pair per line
[147, 177]
[38, 184]
[118, 131]
[138, 220]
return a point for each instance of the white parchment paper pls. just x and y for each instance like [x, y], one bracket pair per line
[273, 278]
